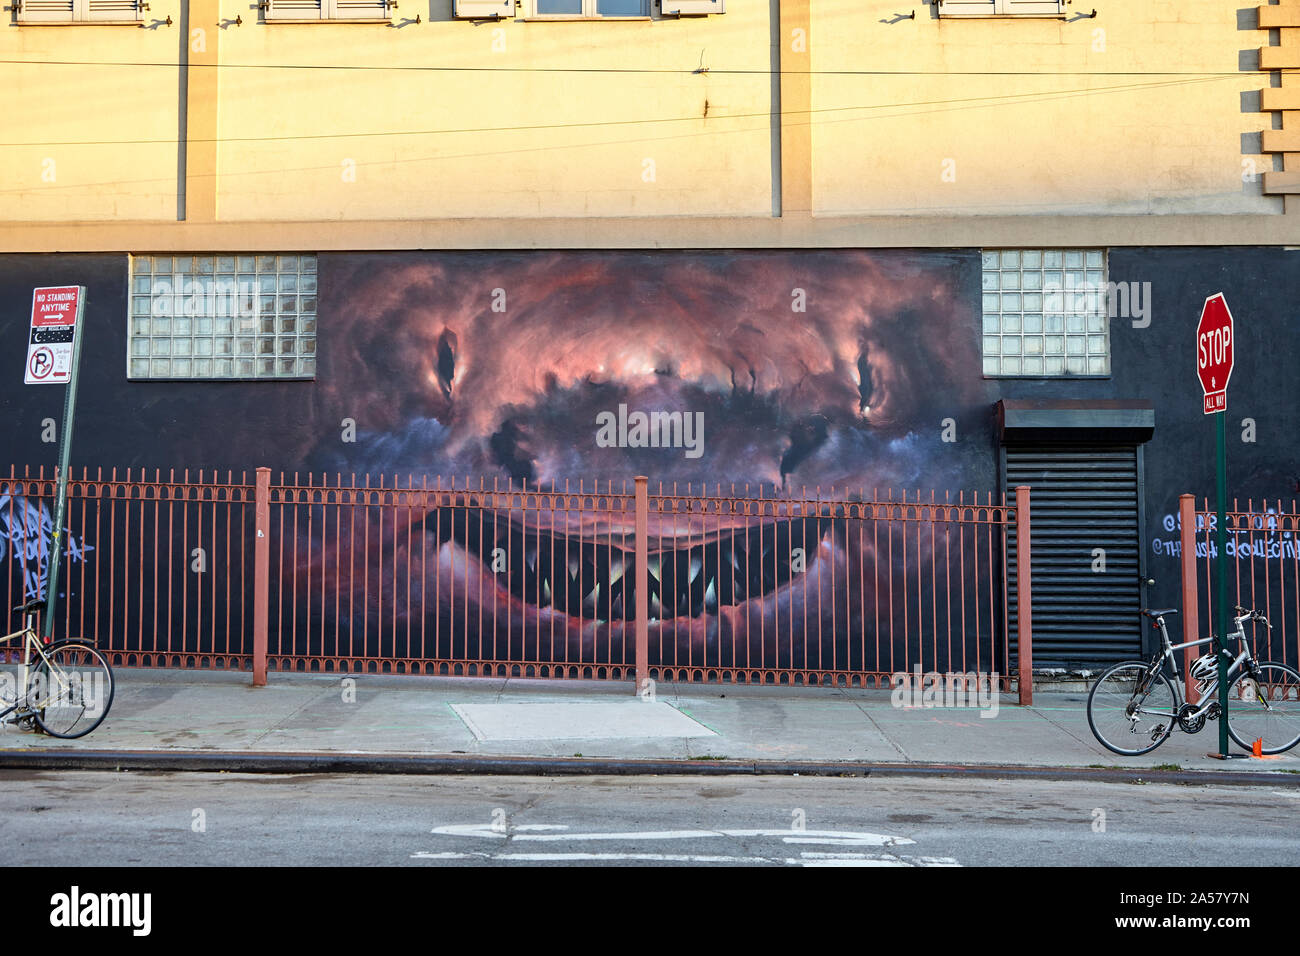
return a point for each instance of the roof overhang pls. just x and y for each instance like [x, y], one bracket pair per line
[1070, 420]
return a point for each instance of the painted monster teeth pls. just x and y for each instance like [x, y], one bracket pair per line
[592, 579]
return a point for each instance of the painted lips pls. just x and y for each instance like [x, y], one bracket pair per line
[723, 590]
[585, 569]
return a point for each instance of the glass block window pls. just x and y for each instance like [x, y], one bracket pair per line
[222, 317]
[1045, 312]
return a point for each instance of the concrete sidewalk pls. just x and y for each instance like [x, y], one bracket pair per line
[167, 711]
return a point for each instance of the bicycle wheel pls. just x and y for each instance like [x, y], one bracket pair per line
[10, 674]
[1267, 709]
[71, 689]
[1130, 714]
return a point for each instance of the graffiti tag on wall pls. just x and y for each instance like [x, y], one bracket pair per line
[1261, 539]
[26, 539]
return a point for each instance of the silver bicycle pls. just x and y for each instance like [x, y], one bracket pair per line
[1134, 706]
[63, 689]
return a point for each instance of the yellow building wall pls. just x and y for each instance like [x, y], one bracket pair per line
[82, 136]
[1001, 116]
[453, 120]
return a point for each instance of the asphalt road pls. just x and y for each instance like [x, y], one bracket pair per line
[100, 818]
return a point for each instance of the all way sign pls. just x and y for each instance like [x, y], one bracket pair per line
[55, 315]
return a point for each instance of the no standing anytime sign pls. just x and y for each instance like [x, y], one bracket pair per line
[54, 325]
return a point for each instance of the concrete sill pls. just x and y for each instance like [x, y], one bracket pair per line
[81, 23]
[288, 22]
[577, 19]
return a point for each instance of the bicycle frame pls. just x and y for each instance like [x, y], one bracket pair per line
[31, 642]
[1209, 695]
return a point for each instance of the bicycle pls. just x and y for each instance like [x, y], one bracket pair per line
[1133, 707]
[63, 688]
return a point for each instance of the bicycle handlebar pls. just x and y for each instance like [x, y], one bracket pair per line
[1245, 614]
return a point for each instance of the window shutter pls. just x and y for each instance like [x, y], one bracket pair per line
[359, 10]
[1032, 8]
[485, 9]
[692, 8]
[968, 8]
[45, 11]
[294, 9]
[114, 10]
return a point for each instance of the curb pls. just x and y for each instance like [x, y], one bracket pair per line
[192, 761]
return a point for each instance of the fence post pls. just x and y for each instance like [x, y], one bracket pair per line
[1024, 599]
[261, 573]
[642, 583]
[1191, 611]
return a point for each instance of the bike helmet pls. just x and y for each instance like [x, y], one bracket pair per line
[1205, 668]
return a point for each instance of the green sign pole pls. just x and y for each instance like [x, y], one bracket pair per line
[1221, 579]
[65, 451]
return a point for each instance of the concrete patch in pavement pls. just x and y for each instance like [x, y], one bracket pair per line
[579, 720]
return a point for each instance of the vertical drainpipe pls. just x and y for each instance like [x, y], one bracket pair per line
[202, 40]
[795, 104]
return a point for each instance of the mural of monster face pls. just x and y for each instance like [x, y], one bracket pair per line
[789, 372]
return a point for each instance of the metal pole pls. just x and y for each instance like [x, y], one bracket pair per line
[642, 584]
[1191, 609]
[261, 572]
[1221, 539]
[65, 452]
[1024, 600]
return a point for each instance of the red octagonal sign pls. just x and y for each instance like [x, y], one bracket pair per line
[1214, 352]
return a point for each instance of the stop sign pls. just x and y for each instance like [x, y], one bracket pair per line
[1214, 352]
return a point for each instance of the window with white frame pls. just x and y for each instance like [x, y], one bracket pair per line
[363, 11]
[222, 317]
[1045, 312]
[1002, 8]
[592, 8]
[79, 11]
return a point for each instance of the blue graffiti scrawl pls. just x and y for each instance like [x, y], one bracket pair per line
[26, 538]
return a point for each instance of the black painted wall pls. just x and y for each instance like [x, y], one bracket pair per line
[930, 341]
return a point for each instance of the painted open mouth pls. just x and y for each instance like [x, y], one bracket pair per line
[583, 568]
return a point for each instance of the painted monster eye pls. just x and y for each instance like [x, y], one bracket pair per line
[866, 382]
[447, 360]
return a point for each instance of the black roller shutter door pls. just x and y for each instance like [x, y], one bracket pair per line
[1084, 497]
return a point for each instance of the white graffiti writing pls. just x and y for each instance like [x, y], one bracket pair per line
[1256, 537]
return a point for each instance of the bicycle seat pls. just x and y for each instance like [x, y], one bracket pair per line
[35, 604]
[1160, 613]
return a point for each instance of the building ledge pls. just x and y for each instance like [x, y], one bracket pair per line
[663, 232]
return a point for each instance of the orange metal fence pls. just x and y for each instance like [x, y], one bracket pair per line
[157, 565]
[1263, 548]
[575, 579]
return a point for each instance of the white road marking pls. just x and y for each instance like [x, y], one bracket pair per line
[806, 859]
[529, 832]
[559, 833]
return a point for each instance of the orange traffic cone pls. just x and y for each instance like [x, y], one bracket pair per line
[1258, 747]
